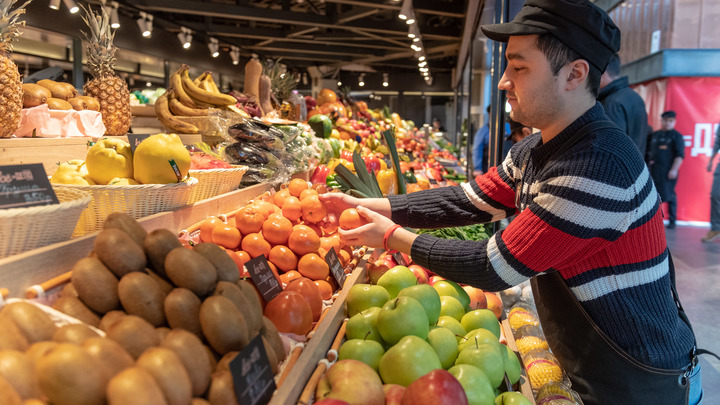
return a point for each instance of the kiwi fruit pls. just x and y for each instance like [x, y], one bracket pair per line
[8, 395]
[77, 103]
[91, 103]
[199, 401]
[134, 334]
[252, 295]
[33, 322]
[164, 285]
[270, 332]
[222, 391]
[169, 372]
[34, 95]
[194, 357]
[69, 88]
[19, 370]
[134, 386]
[272, 357]
[68, 375]
[11, 337]
[189, 269]
[112, 357]
[125, 223]
[157, 245]
[224, 363]
[75, 333]
[56, 89]
[95, 284]
[69, 289]
[142, 296]
[109, 319]
[227, 269]
[182, 310]
[119, 252]
[162, 332]
[233, 293]
[37, 350]
[58, 104]
[77, 309]
[223, 325]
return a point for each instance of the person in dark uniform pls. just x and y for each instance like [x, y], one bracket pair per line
[666, 150]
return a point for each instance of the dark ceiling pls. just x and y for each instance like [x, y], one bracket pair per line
[348, 34]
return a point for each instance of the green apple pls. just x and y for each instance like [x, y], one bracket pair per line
[475, 383]
[364, 326]
[428, 297]
[444, 342]
[477, 336]
[368, 351]
[364, 296]
[487, 357]
[410, 359]
[453, 289]
[512, 398]
[351, 381]
[513, 368]
[481, 318]
[450, 306]
[401, 317]
[396, 279]
[452, 324]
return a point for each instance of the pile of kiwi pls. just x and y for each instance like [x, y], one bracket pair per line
[57, 95]
[174, 318]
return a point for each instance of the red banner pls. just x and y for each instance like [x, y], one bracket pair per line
[696, 100]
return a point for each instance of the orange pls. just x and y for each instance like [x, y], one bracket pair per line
[249, 220]
[226, 236]
[276, 229]
[307, 193]
[313, 267]
[326, 96]
[329, 242]
[315, 229]
[265, 208]
[231, 222]
[207, 227]
[330, 224]
[296, 186]
[291, 275]
[291, 208]
[255, 245]
[344, 257]
[326, 290]
[240, 257]
[284, 258]
[413, 187]
[333, 283]
[280, 196]
[313, 210]
[303, 241]
[350, 219]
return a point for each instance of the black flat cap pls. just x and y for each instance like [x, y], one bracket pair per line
[668, 114]
[579, 24]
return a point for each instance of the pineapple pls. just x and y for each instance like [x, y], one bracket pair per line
[110, 90]
[10, 81]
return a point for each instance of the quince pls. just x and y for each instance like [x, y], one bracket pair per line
[109, 158]
[161, 159]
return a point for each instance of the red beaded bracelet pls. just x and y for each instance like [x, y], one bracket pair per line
[389, 233]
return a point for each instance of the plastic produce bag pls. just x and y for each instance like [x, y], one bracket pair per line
[261, 148]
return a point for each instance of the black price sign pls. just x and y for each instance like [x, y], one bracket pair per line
[399, 259]
[331, 258]
[24, 186]
[252, 376]
[135, 139]
[264, 278]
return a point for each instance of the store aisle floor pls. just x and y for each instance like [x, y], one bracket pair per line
[697, 266]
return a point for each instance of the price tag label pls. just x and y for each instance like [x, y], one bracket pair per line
[252, 376]
[24, 186]
[135, 140]
[331, 258]
[399, 259]
[264, 278]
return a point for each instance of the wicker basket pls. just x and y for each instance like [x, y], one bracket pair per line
[214, 182]
[24, 229]
[135, 200]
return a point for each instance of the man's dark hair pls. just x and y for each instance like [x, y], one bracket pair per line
[613, 67]
[559, 55]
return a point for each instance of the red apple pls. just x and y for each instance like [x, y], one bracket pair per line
[435, 387]
[376, 269]
[494, 304]
[477, 297]
[393, 394]
[330, 401]
[435, 279]
[351, 381]
[420, 273]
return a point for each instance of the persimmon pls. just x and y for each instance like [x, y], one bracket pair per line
[296, 186]
[307, 193]
[313, 210]
[303, 241]
[255, 245]
[310, 291]
[226, 236]
[284, 258]
[249, 220]
[276, 229]
[291, 208]
[291, 275]
[280, 196]
[290, 313]
[313, 266]
[326, 290]
[207, 227]
[350, 219]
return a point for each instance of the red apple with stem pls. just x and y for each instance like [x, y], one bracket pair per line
[494, 304]
[435, 387]
[393, 394]
[477, 297]
[420, 273]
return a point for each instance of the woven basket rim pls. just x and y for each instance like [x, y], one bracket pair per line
[81, 198]
[134, 187]
[234, 168]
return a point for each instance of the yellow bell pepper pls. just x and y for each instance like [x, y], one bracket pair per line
[387, 180]
[68, 173]
[383, 165]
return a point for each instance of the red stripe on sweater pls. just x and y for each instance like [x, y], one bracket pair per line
[490, 183]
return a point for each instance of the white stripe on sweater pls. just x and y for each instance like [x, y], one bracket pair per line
[501, 267]
[619, 282]
[601, 189]
[480, 204]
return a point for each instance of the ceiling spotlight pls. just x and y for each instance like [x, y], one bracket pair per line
[235, 55]
[70, 4]
[410, 17]
[405, 10]
[361, 80]
[339, 83]
[114, 18]
[214, 47]
[185, 37]
[416, 47]
[424, 69]
[414, 32]
[421, 58]
[54, 4]
[385, 79]
[422, 64]
[145, 24]
[148, 84]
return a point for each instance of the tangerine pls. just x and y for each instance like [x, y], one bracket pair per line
[350, 219]
[207, 227]
[280, 196]
[313, 267]
[296, 186]
[344, 257]
[303, 241]
[240, 257]
[291, 275]
[284, 258]
[333, 283]
[318, 231]
[330, 224]
[307, 193]
[276, 229]
[313, 210]
[291, 208]
[326, 290]
[249, 220]
[265, 208]
[330, 242]
[226, 236]
[255, 245]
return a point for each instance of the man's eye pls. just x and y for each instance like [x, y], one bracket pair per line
[517, 69]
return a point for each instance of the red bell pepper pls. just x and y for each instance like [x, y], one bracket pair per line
[320, 174]
[346, 154]
[372, 163]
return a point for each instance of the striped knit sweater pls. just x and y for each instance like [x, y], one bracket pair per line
[592, 214]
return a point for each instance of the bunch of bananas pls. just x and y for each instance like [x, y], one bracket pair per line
[191, 98]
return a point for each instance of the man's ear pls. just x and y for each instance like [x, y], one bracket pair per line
[577, 74]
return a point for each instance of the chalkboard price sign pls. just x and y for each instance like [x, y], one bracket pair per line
[399, 259]
[252, 376]
[135, 140]
[331, 258]
[24, 186]
[264, 278]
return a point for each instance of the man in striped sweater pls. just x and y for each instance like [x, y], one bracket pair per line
[591, 213]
